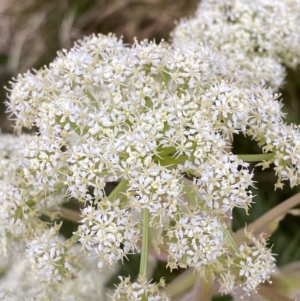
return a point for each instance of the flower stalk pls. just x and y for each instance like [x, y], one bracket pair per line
[145, 244]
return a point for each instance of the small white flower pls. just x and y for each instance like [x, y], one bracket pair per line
[138, 291]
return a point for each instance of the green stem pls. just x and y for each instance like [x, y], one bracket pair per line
[189, 194]
[257, 157]
[172, 161]
[166, 151]
[271, 293]
[70, 214]
[145, 244]
[258, 225]
[230, 240]
[72, 240]
[92, 98]
[181, 284]
[120, 187]
[168, 160]
[205, 287]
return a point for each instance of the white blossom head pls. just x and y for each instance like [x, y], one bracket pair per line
[139, 291]
[251, 265]
[155, 119]
[255, 36]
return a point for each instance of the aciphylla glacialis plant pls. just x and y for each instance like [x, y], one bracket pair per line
[158, 120]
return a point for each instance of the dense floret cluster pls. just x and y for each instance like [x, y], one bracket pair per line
[139, 291]
[19, 284]
[255, 36]
[158, 121]
[143, 116]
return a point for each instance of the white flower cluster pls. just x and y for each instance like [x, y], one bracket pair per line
[8, 157]
[256, 36]
[22, 204]
[49, 258]
[283, 140]
[144, 116]
[109, 231]
[16, 284]
[139, 291]
[157, 119]
[253, 265]
[197, 240]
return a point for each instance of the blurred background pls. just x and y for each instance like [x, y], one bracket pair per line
[32, 31]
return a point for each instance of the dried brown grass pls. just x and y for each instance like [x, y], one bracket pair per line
[32, 30]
